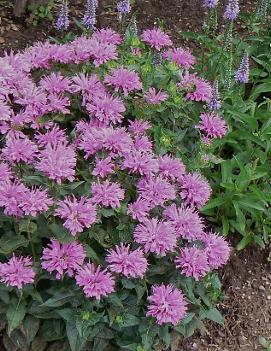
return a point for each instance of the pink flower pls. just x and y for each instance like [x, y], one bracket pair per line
[55, 83]
[212, 125]
[52, 136]
[36, 201]
[156, 236]
[143, 144]
[197, 88]
[61, 258]
[193, 262]
[122, 78]
[12, 195]
[19, 148]
[102, 52]
[95, 281]
[57, 162]
[216, 249]
[171, 168]
[139, 127]
[103, 167]
[167, 304]
[182, 57]
[186, 220]
[17, 272]
[139, 209]
[195, 190]
[5, 111]
[107, 194]
[106, 108]
[108, 36]
[156, 190]
[77, 214]
[140, 162]
[5, 172]
[123, 260]
[58, 103]
[154, 97]
[156, 38]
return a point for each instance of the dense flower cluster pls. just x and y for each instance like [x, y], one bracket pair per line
[98, 162]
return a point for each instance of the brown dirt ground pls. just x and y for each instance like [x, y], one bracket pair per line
[247, 278]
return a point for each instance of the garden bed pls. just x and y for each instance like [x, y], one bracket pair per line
[247, 277]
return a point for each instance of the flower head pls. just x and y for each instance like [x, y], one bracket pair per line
[195, 190]
[197, 89]
[171, 168]
[35, 201]
[57, 162]
[186, 221]
[107, 194]
[62, 258]
[12, 196]
[19, 148]
[63, 19]
[95, 281]
[242, 75]
[108, 36]
[210, 4]
[193, 262]
[156, 38]
[78, 214]
[167, 304]
[139, 209]
[212, 125]
[156, 190]
[122, 78]
[103, 167]
[89, 19]
[139, 127]
[156, 236]
[232, 10]
[216, 249]
[182, 57]
[154, 97]
[17, 272]
[129, 263]
[215, 103]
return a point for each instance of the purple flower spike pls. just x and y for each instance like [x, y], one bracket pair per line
[124, 7]
[242, 75]
[210, 4]
[63, 19]
[89, 19]
[232, 10]
[215, 103]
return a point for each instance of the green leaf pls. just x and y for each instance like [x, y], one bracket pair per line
[75, 340]
[244, 242]
[10, 245]
[15, 315]
[52, 330]
[214, 315]
[59, 299]
[29, 328]
[38, 344]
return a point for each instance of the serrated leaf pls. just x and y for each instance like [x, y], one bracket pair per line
[8, 246]
[76, 342]
[59, 299]
[15, 315]
[29, 328]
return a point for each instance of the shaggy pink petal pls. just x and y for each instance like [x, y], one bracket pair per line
[195, 190]
[212, 125]
[139, 210]
[193, 262]
[217, 249]
[139, 162]
[156, 236]
[95, 281]
[56, 83]
[186, 221]
[57, 162]
[122, 78]
[154, 97]
[123, 260]
[108, 36]
[78, 214]
[12, 195]
[17, 272]
[171, 168]
[143, 144]
[62, 258]
[139, 127]
[106, 108]
[197, 89]
[108, 194]
[103, 167]
[36, 201]
[52, 136]
[182, 57]
[167, 304]
[156, 38]
[156, 190]
[19, 148]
